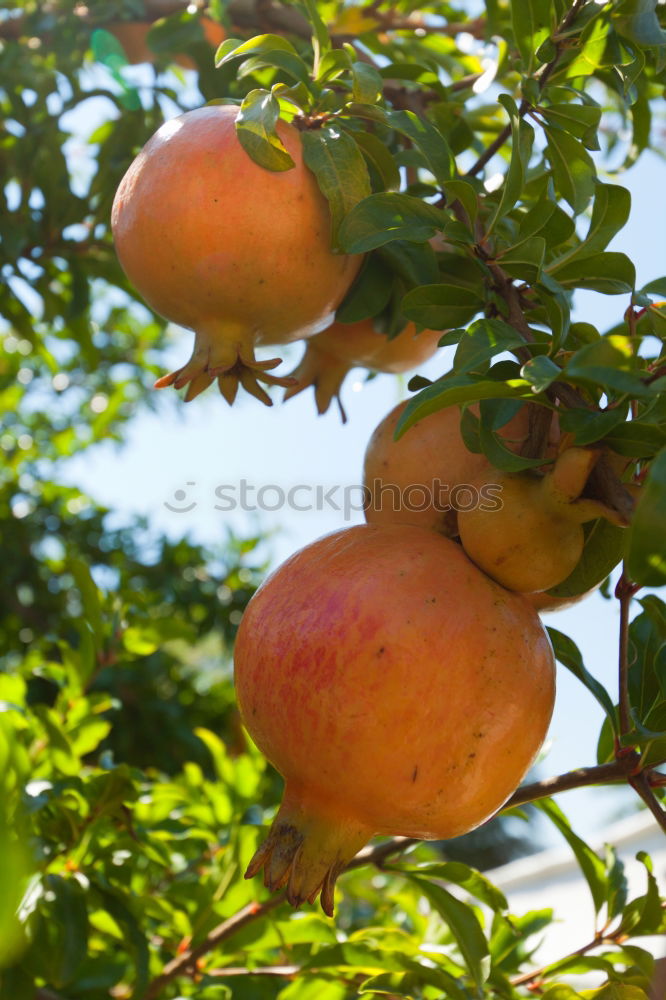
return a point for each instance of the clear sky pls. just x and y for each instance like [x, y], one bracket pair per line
[181, 454]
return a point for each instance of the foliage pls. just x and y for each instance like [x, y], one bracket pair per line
[131, 800]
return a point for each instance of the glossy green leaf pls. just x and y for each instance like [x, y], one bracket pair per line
[590, 864]
[367, 84]
[482, 341]
[381, 218]
[524, 260]
[636, 440]
[473, 881]
[609, 362]
[462, 191]
[646, 544]
[463, 924]
[369, 294]
[457, 389]
[569, 656]
[256, 129]
[439, 307]
[638, 20]
[579, 120]
[589, 426]
[540, 372]
[573, 168]
[429, 140]
[522, 140]
[380, 158]
[341, 172]
[602, 551]
[531, 22]
[610, 212]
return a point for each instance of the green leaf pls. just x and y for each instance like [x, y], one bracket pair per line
[439, 307]
[463, 924]
[457, 389]
[612, 205]
[482, 341]
[540, 372]
[63, 934]
[573, 168]
[636, 440]
[569, 656]
[611, 273]
[427, 139]
[646, 544]
[524, 260]
[579, 120]
[92, 607]
[531, 21]
[367, 84]
[590, 864]
[369, 294]
[266, 48]
[463, 192]
[602, 551]
[522, 139]
[381, 218]
[380, 158]
[337, 163]
[638, 21]
[408, 984]
[546, 219]
[644, 915]
[493, 445]
[257, 134]
[321, 42]
[610, 363]
[463, 875]
[589, 426]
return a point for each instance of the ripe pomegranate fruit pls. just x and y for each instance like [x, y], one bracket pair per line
[425, 476]
[533, 538]
[396, 688]
[331, 354]
[239, 254]
[132, 37]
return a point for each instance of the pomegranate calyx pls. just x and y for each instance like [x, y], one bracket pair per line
[325, 373]
[305, 851]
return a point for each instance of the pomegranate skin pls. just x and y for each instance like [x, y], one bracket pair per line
[330, 355]
[237, 253]
[431, 456]
[395, 687]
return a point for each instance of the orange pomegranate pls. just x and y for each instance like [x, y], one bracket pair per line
[533, 538]
[132, 35]
[396, 688]
[238, 253]
[331, 354]
[429, 474]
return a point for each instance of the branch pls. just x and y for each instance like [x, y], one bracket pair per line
[641, 784]
[624, 592]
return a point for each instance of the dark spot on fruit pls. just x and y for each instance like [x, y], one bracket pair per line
[380, 650]
[415, 772]
[478, 736]
[471, 755]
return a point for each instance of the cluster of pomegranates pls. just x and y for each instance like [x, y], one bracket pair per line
[396, 673]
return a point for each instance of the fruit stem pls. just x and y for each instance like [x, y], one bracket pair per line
[307, 847]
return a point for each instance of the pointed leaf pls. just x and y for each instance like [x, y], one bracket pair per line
[457, 389]
[482, 341]
[440, 307]
[342, 175]
[573, 168]
[522, 139]
[590, 864]
[646, 545]
[568, 654]
[381, 218]
[256, 129]
[428, 140]
[531, 20]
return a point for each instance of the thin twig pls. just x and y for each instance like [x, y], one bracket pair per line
[624, 593]
[641, 784]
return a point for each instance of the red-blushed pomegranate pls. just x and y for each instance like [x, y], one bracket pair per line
[429, 474]
[331, 354]
[396, 688]
[237, 253]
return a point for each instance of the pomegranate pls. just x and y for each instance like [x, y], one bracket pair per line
[396, 688]
[425, 476]
[533, 538]
[239, 254]
[331, 354]
[132, 35]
